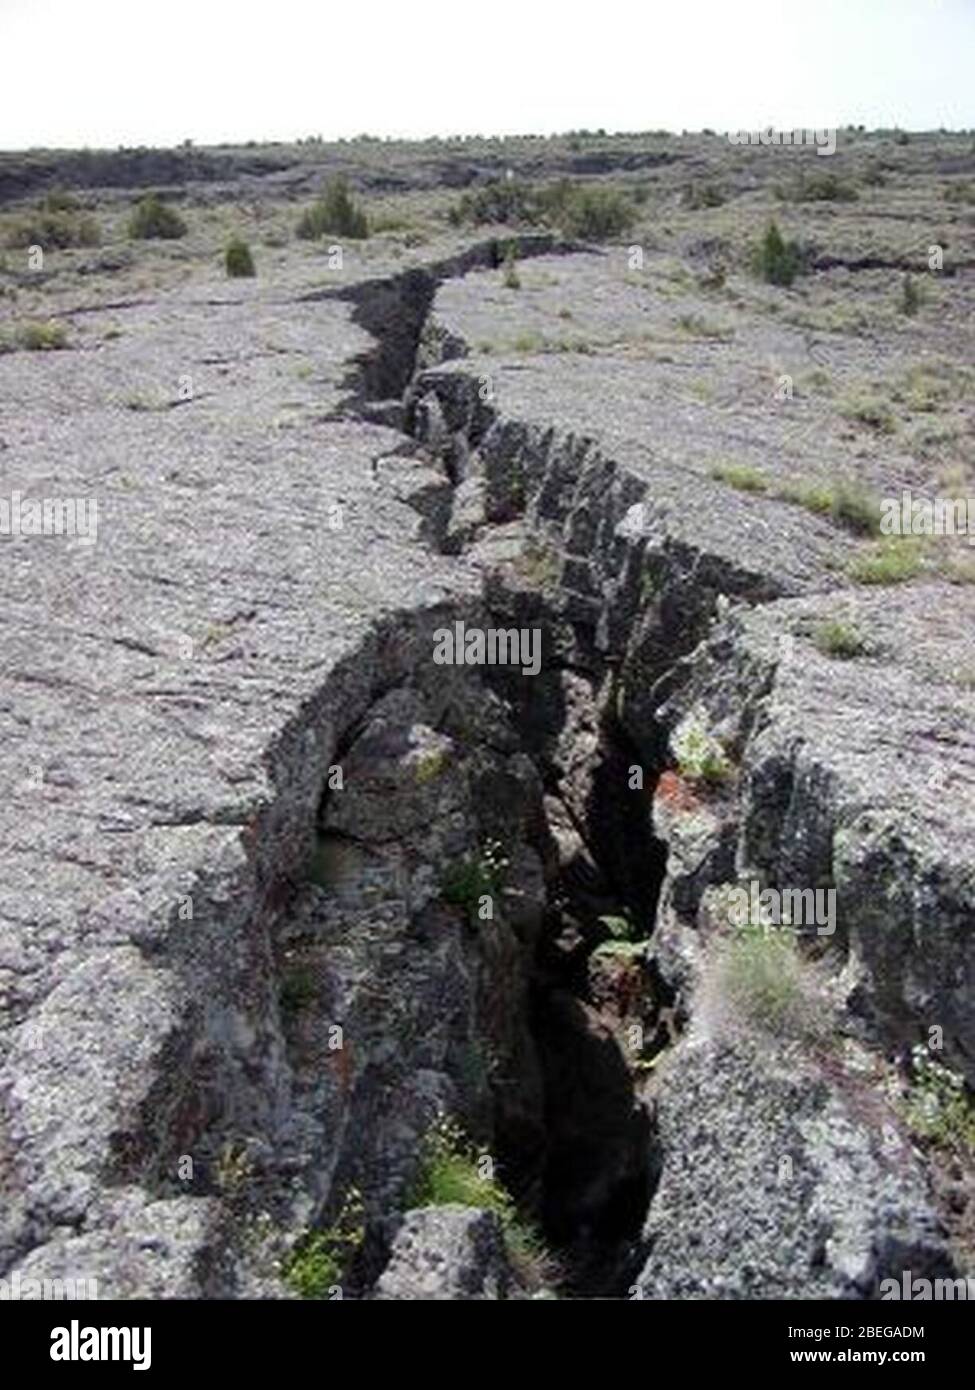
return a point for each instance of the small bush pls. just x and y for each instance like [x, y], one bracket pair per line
[741, 476]
[937, 1106]
[893, 560]
[154, 220]
[778, 261]
[761, 976]
[910, 297]
[315, 1266]
[591, 211]
[34, 336]
[697, 196]
[824, 188]
[511, 277]
[465, 883]
[855, 507]
[700, 756]
[509, 201]
[870, 410]
[835, 638]
[452, 1171]
[298, 989]
[815, 497]
[58, 228]
[239, 261]
[334, 214]
[59, 200]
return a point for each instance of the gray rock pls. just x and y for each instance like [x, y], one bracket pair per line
[448, 1252]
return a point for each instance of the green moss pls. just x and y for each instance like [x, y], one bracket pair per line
[429, 765]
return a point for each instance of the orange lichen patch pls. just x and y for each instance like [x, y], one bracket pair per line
[341, 1062]
[674, 793]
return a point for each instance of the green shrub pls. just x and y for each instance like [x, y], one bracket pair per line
[509, 201]
[595, 213]
[870, 410]
[891, 561]
[474, 877]
[58, 228]
[59, 200]
[334, 214]
[592, 211]
[778, 261]
[741, 476]
[937, 1106]
[154, 220]
[855, 507]
[761, 975]
[239, 261]
[452, 1171]
[815, 497]
[511, 277]
[315, 1265]
[824, 187]
[700, 756]
[298, 989]
[697, 196]
[835, 638]
[910, 297]
[34, 336]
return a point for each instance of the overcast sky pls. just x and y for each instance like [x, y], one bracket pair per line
[126, 72]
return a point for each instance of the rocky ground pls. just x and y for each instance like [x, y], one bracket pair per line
[329, 970]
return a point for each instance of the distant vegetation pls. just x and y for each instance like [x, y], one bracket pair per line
[154, 220]
[825, 187]
[59, 221]
[594, 212]
[697, 196]
[334, 214]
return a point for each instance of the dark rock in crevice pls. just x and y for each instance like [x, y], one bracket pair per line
[393, 310]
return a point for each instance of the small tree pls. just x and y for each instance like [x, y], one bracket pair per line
[910, 297]
[334, 214]
[779, 261]
[239, 261]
